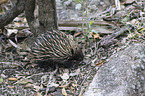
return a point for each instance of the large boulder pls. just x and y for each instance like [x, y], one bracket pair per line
[122, 75]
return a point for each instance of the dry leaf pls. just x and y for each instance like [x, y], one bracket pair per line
[64, 92]
[74, 85]
[77, 34]
[100, 63]
[2, 75]
[11, 87]
[10, 31]
[12, 79]
[66, 85]
[29, 85]
[97, 36]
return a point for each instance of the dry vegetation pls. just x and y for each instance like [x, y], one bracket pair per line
[99, 35]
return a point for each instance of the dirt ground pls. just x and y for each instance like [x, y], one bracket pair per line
[19, 77]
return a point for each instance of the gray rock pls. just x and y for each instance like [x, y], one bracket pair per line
[122, 75]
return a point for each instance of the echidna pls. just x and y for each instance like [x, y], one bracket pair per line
[56, 46]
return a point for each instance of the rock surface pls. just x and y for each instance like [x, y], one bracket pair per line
[122, 75]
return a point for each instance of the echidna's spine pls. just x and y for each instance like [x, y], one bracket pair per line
[54, 45]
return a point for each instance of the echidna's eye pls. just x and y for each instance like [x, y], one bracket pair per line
[72, 51]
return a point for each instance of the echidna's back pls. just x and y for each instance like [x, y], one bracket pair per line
[56, 46]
